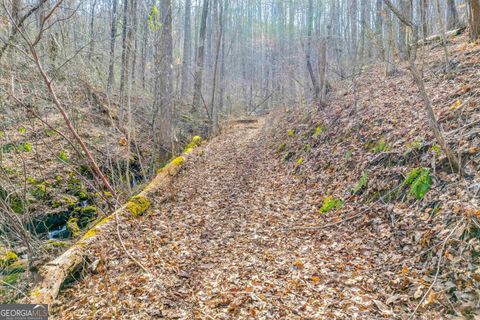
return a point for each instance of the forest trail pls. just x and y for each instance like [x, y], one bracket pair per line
[217, 249]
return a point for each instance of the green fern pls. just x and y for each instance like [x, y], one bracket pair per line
[420, 182]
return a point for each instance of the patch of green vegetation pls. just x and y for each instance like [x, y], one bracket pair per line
[362, 183]
[8, 147]
[40, 191]
[22, 130]
[415, 144]
[49, 133]
[138, 205]
[22, 147]
[381, 146]
[9, 170]
[281, 147]
[420, 182]
[12, 278]
[15, 267]
[291, 133]
[318, 131]
[63, 156]
[300, 161]
[436, 150]
[73, 228]
[7, 258]
[330, 203]
[53, 245]
[307, 148]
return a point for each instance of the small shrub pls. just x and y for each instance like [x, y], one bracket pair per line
[330, 203]
[420, 182]
[291, 133]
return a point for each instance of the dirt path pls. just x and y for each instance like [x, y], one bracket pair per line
[215, 245]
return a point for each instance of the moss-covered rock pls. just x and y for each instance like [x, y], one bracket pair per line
[138, 205]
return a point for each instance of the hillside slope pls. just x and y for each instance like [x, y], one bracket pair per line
[311, 214]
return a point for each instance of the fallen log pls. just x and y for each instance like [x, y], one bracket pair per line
[53, 274]
[438, 37]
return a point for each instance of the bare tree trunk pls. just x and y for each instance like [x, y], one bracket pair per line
[322, 65]
[423, 18]
[200, 60]
[113, 34]
[213, 123]
[443, 36]
[187, 48]
[406, 9]
[474, 19]
[316, 87]
[452, 15]
[126, 30]
[92, 30]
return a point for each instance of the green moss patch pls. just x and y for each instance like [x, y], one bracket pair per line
[330, 203]
[138, 205]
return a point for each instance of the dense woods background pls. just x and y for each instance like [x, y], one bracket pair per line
[97, 95]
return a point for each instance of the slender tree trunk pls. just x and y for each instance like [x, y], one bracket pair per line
[92, 30]
[213, 112]
[200, 60]
[113, 34]
[126, 30]
[452, 15]
[308, 49]
[187, 48]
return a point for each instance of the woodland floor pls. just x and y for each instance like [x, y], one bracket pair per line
[238, 234]
[218, 246]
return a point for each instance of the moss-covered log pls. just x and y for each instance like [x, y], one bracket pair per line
[54, 273]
